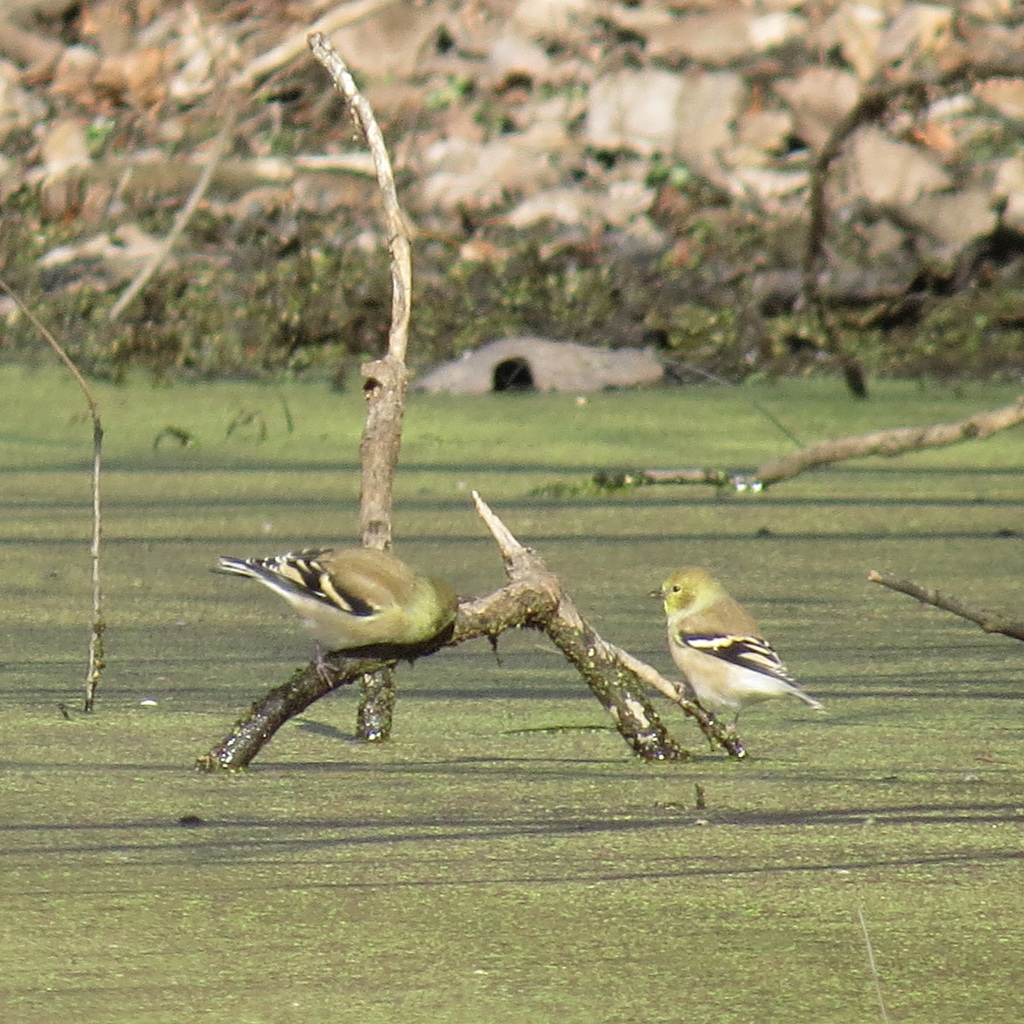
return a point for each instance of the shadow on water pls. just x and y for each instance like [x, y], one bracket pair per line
[268, 840]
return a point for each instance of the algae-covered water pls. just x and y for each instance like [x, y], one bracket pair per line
[504, 858]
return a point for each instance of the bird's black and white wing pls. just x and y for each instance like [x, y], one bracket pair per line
[301, 576]
[748, 652]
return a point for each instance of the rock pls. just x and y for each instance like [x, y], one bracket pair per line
[706, 113]
[73, 74]
[64, 148]
[462, 173]
[513, 54]
[630, 109]
[857, 30]
[19, 108]
[952, 221]
[819, 99]
[1009, 187]
[719, 38]
[526, 364]
[1005, 94]
[890, 173]
[655, 111]
[551, 19]
[564, 205]
[916, 29]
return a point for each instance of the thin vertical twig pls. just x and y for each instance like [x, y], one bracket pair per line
[96, 662]
[871, 962]
[385, 379]
[151, 265]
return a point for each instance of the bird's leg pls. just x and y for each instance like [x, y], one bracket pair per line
[729, 729]
[323, 669]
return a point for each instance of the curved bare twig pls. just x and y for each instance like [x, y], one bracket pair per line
[988, 621]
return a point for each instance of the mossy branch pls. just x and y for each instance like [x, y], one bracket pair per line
[533, 598]
[988, 621]
[96, 660]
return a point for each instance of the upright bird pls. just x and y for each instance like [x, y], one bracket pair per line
[354, 597]
[719, 648]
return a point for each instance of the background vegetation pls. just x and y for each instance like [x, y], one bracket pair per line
[544, 196]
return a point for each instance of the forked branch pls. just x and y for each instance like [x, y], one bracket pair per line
[533, 598]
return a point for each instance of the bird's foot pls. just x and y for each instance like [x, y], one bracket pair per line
[323, 669]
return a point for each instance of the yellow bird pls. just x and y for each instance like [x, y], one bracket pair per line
[719, 648]
[354, 597]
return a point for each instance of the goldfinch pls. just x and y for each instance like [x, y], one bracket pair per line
[719, 648]
[354, 597]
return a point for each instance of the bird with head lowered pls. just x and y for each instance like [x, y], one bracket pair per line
[351, 598]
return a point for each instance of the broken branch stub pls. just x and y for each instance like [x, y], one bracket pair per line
[616, 678]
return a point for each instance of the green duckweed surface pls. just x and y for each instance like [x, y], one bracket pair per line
[504, 858]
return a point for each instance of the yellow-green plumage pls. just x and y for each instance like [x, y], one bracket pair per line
[354, 597]
[718, 646]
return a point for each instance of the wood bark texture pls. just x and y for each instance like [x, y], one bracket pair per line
[533, 598]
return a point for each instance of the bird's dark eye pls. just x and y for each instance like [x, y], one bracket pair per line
[676, 589]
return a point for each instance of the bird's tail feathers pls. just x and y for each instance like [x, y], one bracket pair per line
[236, 567]
[807, 699]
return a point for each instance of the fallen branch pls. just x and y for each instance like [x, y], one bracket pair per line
[534, 599]
[988, 621]
[823, 453]
[891, 442]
